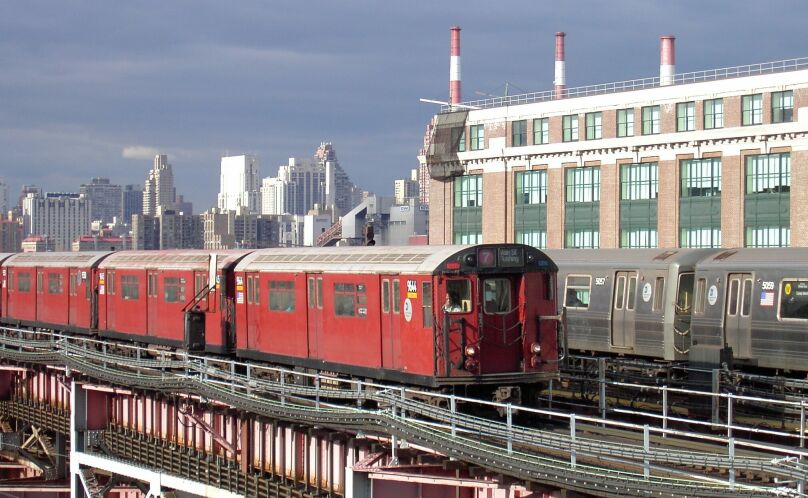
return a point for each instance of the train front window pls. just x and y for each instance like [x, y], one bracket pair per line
[793, 299]
[458, 296]
[497, 295]
[684, 296]
[577, 292]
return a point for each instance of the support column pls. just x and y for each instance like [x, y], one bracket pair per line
[78, 425]
[357, 484]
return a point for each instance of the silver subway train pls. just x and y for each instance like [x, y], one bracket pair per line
[706, 306]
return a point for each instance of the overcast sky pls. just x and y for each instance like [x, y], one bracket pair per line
[95, 88]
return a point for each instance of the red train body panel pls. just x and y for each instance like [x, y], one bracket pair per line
[374, 312]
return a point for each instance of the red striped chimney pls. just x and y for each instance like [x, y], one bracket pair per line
[667, 59]
[454, 67]
[560, 81]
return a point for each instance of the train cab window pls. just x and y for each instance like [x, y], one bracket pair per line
[459, 296]
[684, 295]
[282, 296]
[701, 295]
[497, 295]
[794, 299]
[54, 283]
[426, 303]
[631, 293]
[577, 291]
[659, 293]
[130, 288]
[24, 282]
[173, 290]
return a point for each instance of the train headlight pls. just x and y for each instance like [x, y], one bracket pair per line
[535, 348]
[471, 351]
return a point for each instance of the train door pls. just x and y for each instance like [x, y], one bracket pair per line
[314, 296]
[73, 296]
[40, 292]
[391, 321]
[152, 302]
[623, 314]
[253, 308]
[737, 315]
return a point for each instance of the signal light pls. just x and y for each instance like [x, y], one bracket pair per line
[454, 265]
[471, 351]
[470, 260]
[535, 348]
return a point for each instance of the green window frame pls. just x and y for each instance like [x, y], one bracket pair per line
[752, 109]
[782, 106]
[570, 128]
[467, 212]
[700, 177]
[639, 181]
[650, 120]
[685, 116]
[541, 131]
[530, 220]
[594, 125]
[713, 114]
[519, 133]
[583, 184]
[477, 137]
[700, 203]
[468, 191]
[768, 173]
[531, 187]
[767, 201]
[459, 138]
[639, 188]
[582, 207]
[625, 122]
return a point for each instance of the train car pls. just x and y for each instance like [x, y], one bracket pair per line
[751, 308]
[3, 296]
[426, 315]
[51, 290]
[144, 296]
[628, 301]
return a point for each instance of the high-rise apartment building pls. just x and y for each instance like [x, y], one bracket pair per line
[240, 184]
[10, 234]
[105, 199]
[4, 207]
[131, 202]
[159, 191]
[59, 218]
[341, 193]
[405, 189]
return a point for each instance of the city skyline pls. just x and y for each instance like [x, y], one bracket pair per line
[98, 90]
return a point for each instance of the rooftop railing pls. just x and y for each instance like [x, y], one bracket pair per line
[637, 84]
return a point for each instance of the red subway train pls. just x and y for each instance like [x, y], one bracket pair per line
[424, 315]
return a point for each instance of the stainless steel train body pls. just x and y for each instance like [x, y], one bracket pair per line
[628, 301]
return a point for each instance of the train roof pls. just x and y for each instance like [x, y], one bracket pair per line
[755, 258]
[5, 255]
[629, 258]
[363, 259]
[188, 259]
[86, 259]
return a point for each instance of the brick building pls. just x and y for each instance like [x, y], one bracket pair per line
[709, 159]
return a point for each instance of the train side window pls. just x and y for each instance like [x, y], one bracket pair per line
[701, 295]
[319, 293]
[111, 283]
[577, 291]
[794, 299]
[344, 299]
[460, 294]
[684, 296]
[72, 284]
[130, 287]
[747, 297]
[310, 298]
[396, 296]
[385, 296]
[249, 290]
[200, 283]
[497, 295]
[282, 295]
[733, 298]
[151, 284]
[659, 293]
[426, 303]
[54, 283]
[24, 282]
[619, 288]
[39, 283]
[631, 293]
[10, 281]
[173, 290]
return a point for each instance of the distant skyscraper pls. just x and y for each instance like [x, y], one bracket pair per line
[299, 186]
[341, 194]
[406, 188]
[239, 184]
[3, 198]
[158, 191]
[105, 199]
[131, 202]
[57, 217]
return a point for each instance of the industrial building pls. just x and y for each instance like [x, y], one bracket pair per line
[703, 159]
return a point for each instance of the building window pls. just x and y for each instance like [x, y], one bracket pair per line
[639, 185]
[594, 125]
[752, 109]
[782, 106]
[531, 187]
[650, 120]
[459, 139]
[130, 290]
[541, 131]
[570, 128]
[468, 191]
[685, 116]
[519, 133]
[713, 114]
[174, 290]
[700, 203]
[478, 137]
[535, 238]
[531, 208]
[282, 295]
[582, 207]
[467, 212]
[767, 200]
[625, 122]
[350, 300]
